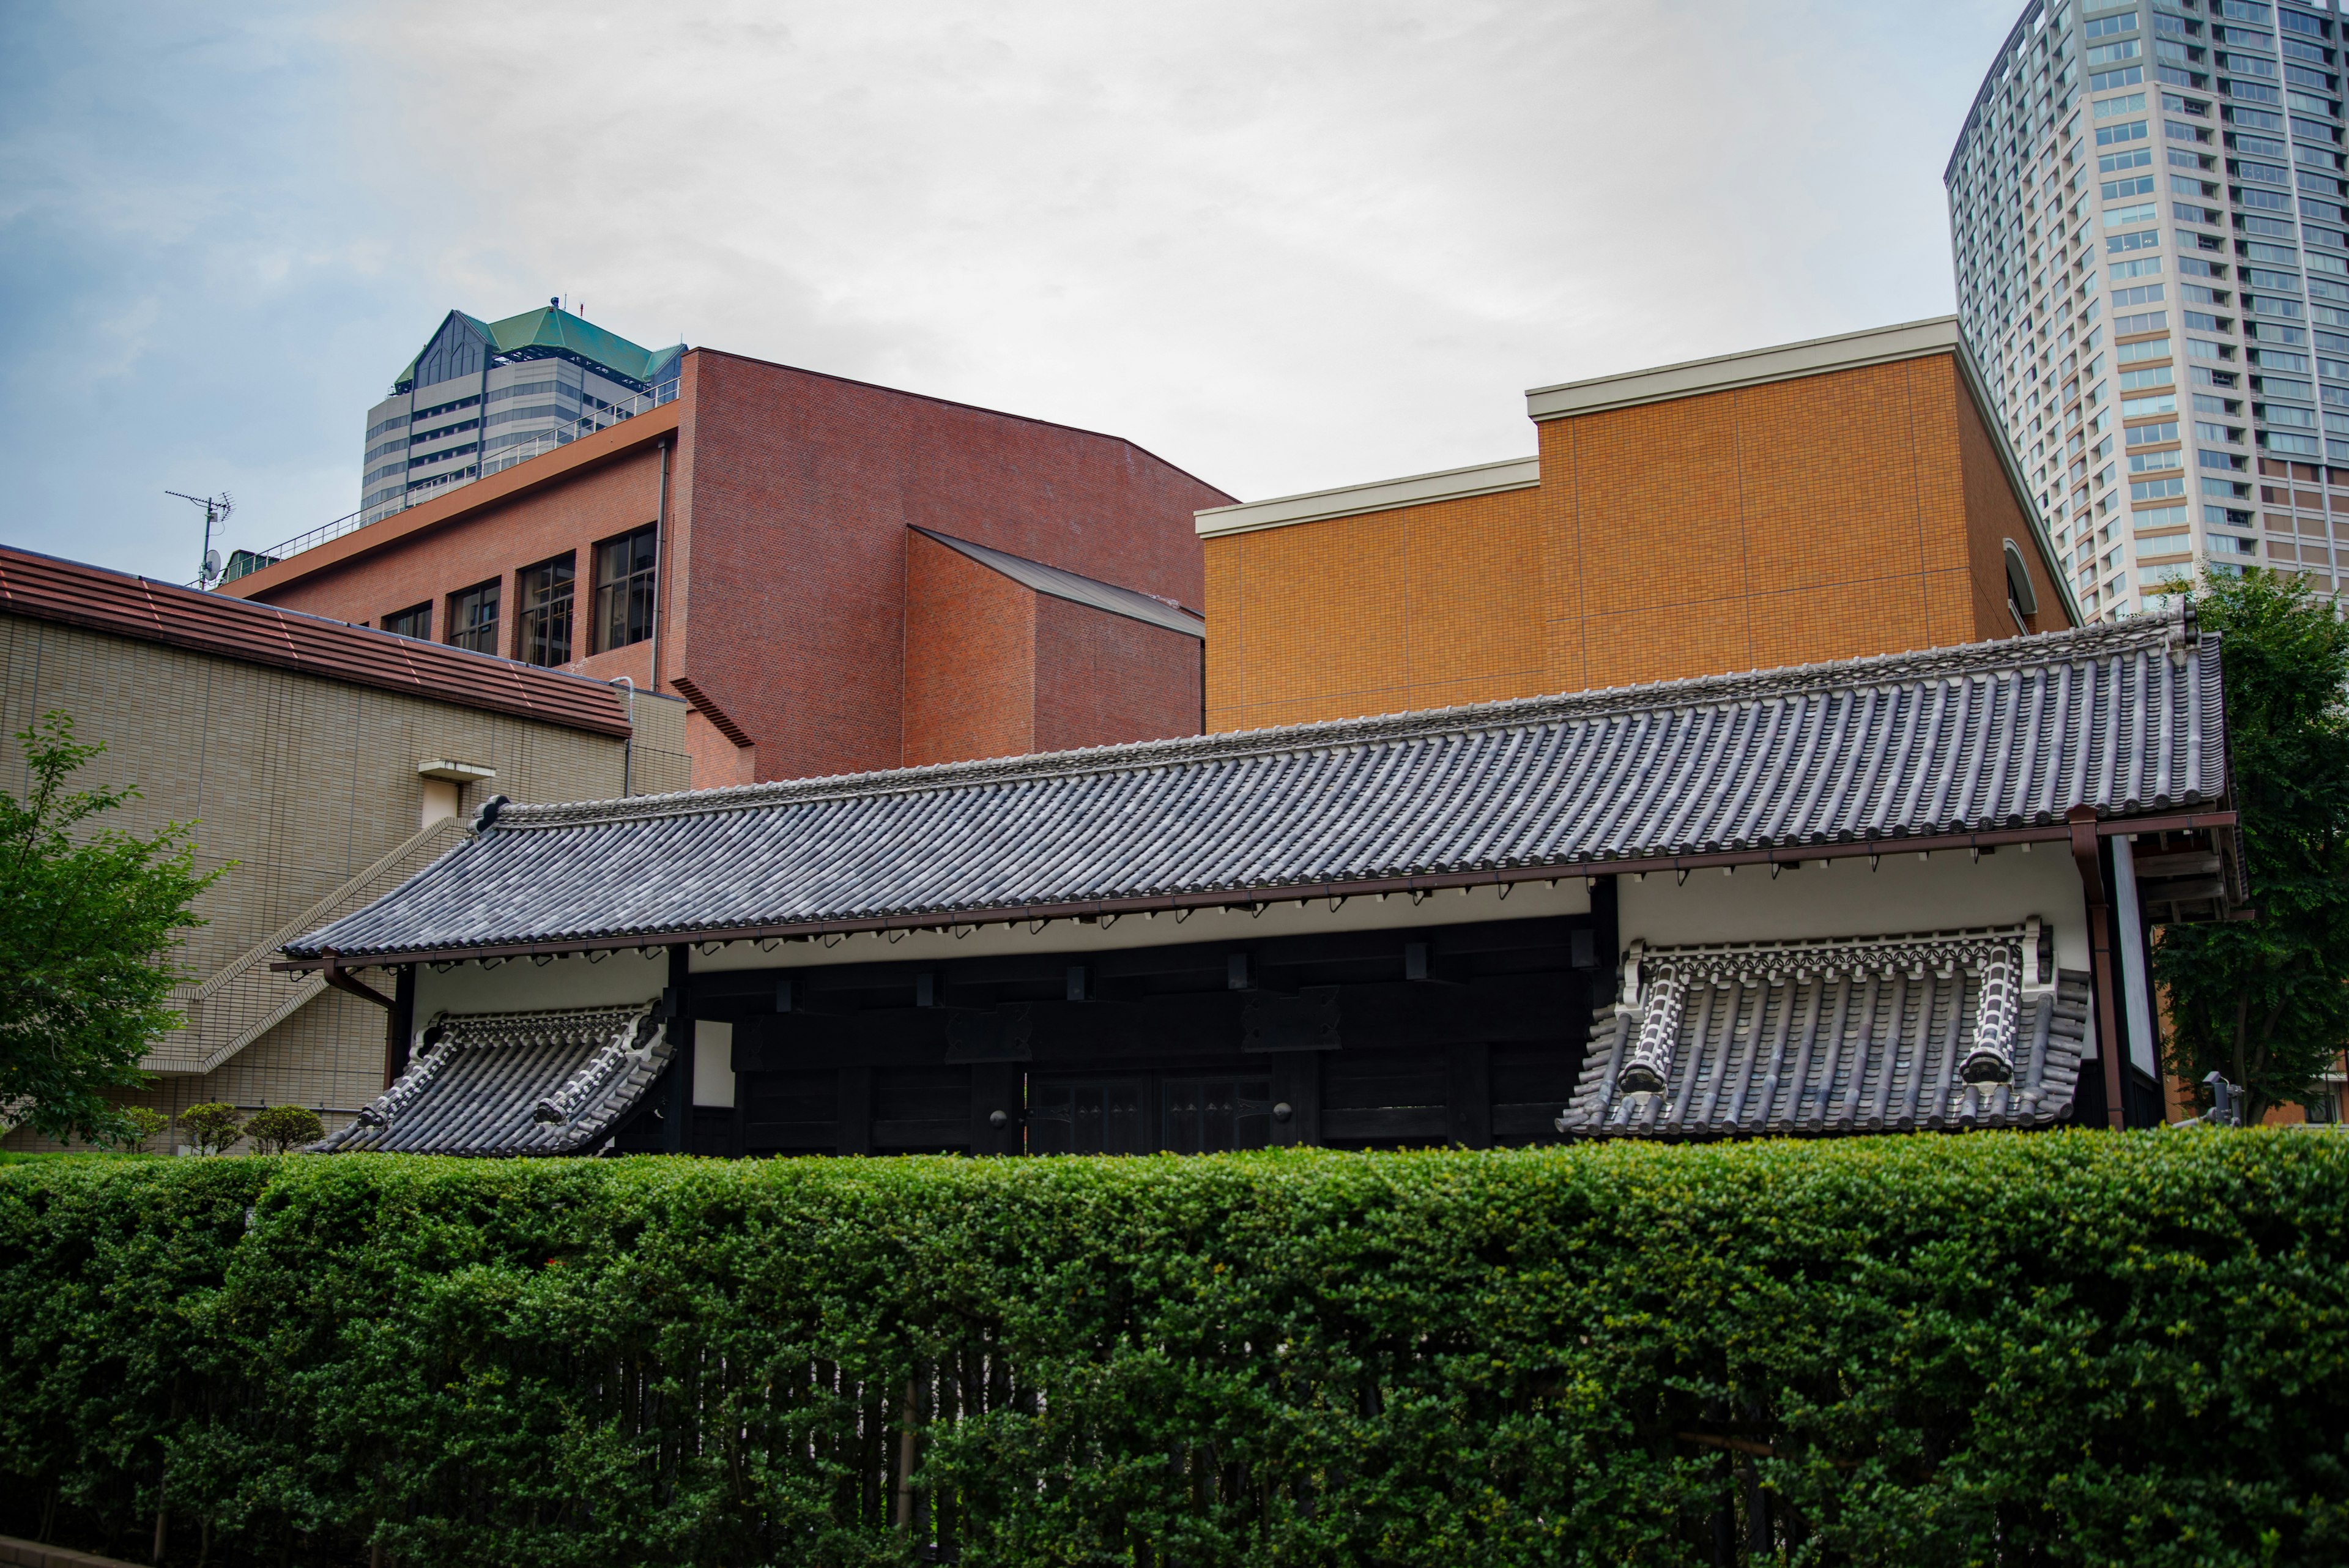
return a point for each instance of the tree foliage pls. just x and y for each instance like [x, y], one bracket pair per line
[281, 1130]
[144, 1122]
[2065, 1347]
[2265, 1001]
[91, 921]
[212, 1126]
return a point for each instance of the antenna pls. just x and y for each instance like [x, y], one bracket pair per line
[216, 510]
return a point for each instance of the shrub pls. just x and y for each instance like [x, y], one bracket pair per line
[144, 1123]
[281, 1130]
[2062, 1348]
[211, 1128]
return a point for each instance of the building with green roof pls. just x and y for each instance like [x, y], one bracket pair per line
[482, 395]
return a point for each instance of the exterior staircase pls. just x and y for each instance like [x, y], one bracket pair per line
[246, 999]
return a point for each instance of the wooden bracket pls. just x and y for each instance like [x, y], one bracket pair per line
[341, 978]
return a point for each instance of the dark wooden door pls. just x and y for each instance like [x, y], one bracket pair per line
[1205, 1116]
[1089, 1115]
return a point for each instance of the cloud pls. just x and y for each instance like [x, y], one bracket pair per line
[1281, 245]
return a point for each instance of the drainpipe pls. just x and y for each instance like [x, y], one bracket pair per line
[660, 561]
[343, 979]
[628, 746]
[2086, 856]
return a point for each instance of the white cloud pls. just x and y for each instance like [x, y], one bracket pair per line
[1282, 245]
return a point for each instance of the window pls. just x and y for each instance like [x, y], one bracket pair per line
[624, 588]
[2143, 435]
[414, 621]
[2137, 157]
[473, 618]
[2142, 185]
[2156, 462]
[545, 634]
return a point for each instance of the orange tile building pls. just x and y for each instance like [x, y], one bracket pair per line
[1825, 500]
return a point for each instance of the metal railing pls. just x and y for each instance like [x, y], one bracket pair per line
[482, 465]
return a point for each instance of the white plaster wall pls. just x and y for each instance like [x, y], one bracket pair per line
[1843, 897]
[518, 985]
[1449, 907]
[713, 1063]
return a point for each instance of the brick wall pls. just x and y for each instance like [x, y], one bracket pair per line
[1993, 516]
[1102, 679]
[1854, 513]
[302, 783]
[497, 541]
[970, 658]
[1422, 607]
[799, 490]
[790, 501]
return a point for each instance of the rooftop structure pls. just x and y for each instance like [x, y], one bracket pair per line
[835, 576]
[2151, 225]
[1280, 923]
[1830, 499]
[481, 396]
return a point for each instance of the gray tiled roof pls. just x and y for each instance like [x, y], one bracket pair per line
[556, 1081]
[1088, 591]
[1886, 1034]
[2124, 718]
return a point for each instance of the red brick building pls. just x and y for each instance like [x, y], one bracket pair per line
[837, 576]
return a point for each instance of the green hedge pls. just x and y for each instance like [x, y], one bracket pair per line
[2072, 1347]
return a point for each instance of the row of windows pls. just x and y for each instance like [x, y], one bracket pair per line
[621, 613]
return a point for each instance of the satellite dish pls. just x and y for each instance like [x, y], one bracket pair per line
[211, 563]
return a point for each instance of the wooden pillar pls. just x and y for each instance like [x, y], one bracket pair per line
[2088, 854]
[400, 1024]
[1607, 942]
[855, 1110]
[997, 1089]
[1470, 1098]
[1297, 1084]
[676, 1115]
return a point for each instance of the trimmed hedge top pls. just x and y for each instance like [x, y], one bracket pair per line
[2075, 1346]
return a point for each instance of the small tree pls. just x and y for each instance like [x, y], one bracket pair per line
[146, 1123]
[281, 1130]
[89, 921]
[212, 1126]
[2265, 1001]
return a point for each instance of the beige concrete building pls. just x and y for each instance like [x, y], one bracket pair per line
[323, 764]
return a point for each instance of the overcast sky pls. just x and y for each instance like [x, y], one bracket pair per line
[1283, 245]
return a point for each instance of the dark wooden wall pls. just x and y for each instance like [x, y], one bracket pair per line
[1468, 1034]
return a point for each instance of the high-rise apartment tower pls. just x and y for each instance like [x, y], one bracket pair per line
[2147, 210]
[482, 395]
